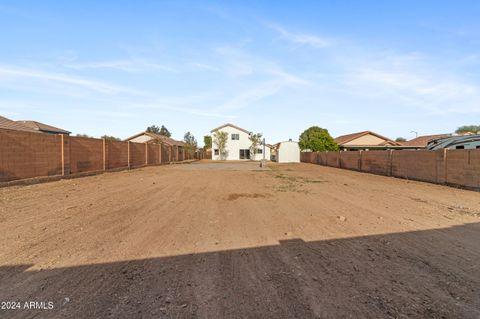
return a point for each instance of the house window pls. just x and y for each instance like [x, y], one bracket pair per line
[216, 152]
[235, 137]
[259, 151]
[460, 147]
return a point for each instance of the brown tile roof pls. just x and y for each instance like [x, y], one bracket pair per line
[421, 141]
[43, 127]
[350, 137]
[228, 124]
[12, 125]
[162, 138]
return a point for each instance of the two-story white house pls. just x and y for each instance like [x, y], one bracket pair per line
[238, 145]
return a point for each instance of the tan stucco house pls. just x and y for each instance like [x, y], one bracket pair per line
[366, 140]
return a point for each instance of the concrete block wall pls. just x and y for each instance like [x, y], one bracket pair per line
[376, 162]
[350, 160]
[463, 168]
[407, 164]
[166, 154]
[26, 155]
[333, 159]
[451, 167]
[322, 158]
[116, 154]
[153, 154]
[86, 154]
[137, 154]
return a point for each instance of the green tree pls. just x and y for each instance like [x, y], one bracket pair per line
[468, 129]
[207, 142]
[190, 141]
[159, 130]
[317, 139]
[153, 129]
[400, 139]
[220, 140]
[255, 141]
[83, 135]
[111, 138]
[165, 132]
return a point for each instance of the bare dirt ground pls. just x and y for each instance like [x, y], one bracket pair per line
[195, 240]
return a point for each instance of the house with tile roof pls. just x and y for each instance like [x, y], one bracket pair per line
[365, 140]
[421, 142]
[30, 126]
[177, 147]
[8, 124]
[44, 128]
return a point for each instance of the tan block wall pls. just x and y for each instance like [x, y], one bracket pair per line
[165, 153]
[350, 160]
[376, 162]
[452, 167]
[153, 154]
[25, 155]
[28, 155]
[137, 154]
[181, 154]
[322, 158]
[333, 159]
[463, 168]
[418, 165]
[116, 154]
[86, 154]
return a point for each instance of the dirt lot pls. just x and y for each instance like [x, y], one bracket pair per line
[184, 241]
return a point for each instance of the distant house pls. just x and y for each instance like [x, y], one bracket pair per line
[12, 125]
[178, 147]
[238, 145]
[286, 152]
[30, 126]
[421, 142]
[148, 137]
[43, 128]
[365, 140]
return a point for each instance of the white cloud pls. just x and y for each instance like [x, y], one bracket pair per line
[123, 65]
[411, 79]
[9, 72]
[204, 66]
[252, 95]
[162, 105]
[300, 38]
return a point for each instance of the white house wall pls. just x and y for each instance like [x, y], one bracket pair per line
[234, 146]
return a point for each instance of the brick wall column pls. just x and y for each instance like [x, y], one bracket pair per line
[65, 154]
[360, 158]
[390, 163]
[128, 153]
[104, 154]
[445, 165]
[146, 154]
[160, 153]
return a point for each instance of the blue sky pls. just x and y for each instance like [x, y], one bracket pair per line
[276, 67]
